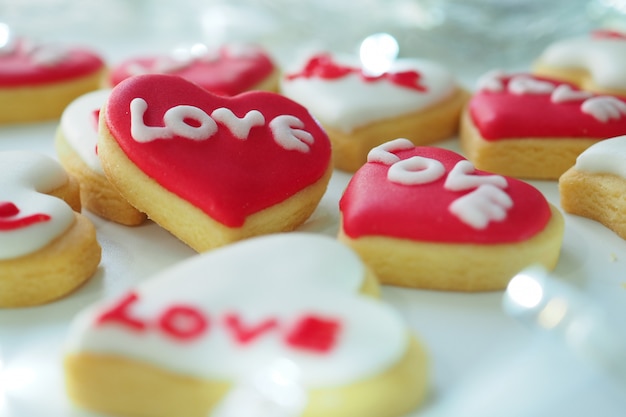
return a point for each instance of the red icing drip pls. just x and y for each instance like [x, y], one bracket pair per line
[226, 177]
[17, 68]
[608, 34]
[247, 333]
[323, 66]
[502, 115]
[8, 209]
[313, 333]
[183, 323]
[371, 205]
[227, 75]
[119, 313]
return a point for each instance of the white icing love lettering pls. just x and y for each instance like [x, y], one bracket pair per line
[415, 170]
[604, 108]
[460, 178]
[491, 81]
[485, 204]
[185, 323]
[286, 129]
[526, 85]
[564, 93]
[384, 153]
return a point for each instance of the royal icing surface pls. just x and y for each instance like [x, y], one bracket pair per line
[225, 314]
[340, 95]
[191, 142]
[525, 106]
[79, 125]
[442, 200]
[607, 156]
[602, 53]
[229, 70]
[26, 63]
[30, 219]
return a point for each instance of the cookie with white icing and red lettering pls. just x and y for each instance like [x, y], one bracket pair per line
[212, 169]
[596, 185]
[47, 249]
[531, 127]
[229, 70]
[37, 81]
[188, 341]
[416, 99]
[76, 145]
[595, 62]
[425, 217]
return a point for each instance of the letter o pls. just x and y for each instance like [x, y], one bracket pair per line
[175, 117]
[183, 322]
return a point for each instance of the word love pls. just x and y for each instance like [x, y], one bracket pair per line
[194, 123]
[42, 55]
[485, 203]
[185, 323]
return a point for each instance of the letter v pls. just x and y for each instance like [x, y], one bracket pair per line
[244, 334]
[238, 126]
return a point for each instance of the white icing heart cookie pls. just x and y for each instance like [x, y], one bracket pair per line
[46, 248]
[424, 217]
[416, 99]
[596, 185]
[596, 61]
[211, 169]
[76, 145]
[181, 343]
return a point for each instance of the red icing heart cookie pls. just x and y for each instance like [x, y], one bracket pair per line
[424, 217]
[219, 167]
[531, 127]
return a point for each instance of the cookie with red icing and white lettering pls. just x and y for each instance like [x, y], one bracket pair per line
[525, 126]
[196, 339]
[76, 145]
[596, 185]
[37, 81]
[212, 169]
[229, 70]
[416, 99]
[47, 249]
[595, 61]
[425, 217]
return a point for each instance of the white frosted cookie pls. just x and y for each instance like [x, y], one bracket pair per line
[46, 248]
[595, 187]
[76, 145]
[183, 342]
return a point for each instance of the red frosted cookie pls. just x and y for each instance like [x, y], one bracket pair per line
[37, 81]
[531, 127]
[47, 249]
[229, 70]
[192, 339]
[425, 217]
[212, 169]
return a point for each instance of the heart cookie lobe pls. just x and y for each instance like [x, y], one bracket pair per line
[428, 219]
[212, 169]
[195, 332]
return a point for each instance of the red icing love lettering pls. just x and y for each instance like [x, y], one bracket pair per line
[9, 221]
[608, 34]
[374, 203]
[229, 71]
[526, 106]
[229, 156]
[24, 63]
[185, 323]
[323, 66]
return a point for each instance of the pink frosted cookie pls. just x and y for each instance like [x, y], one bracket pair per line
[192, 340]
[595, 62]
[596, 185]
[37, 81]
[46, 248]
[414, 98]
[229, 70]
[425, 217]
[76, 145]
[530, 127]
[212, 169]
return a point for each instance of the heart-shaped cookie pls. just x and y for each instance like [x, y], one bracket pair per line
[195, 331]
[534, 127]
[213, 169]
[228, 70]
[425, 217]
